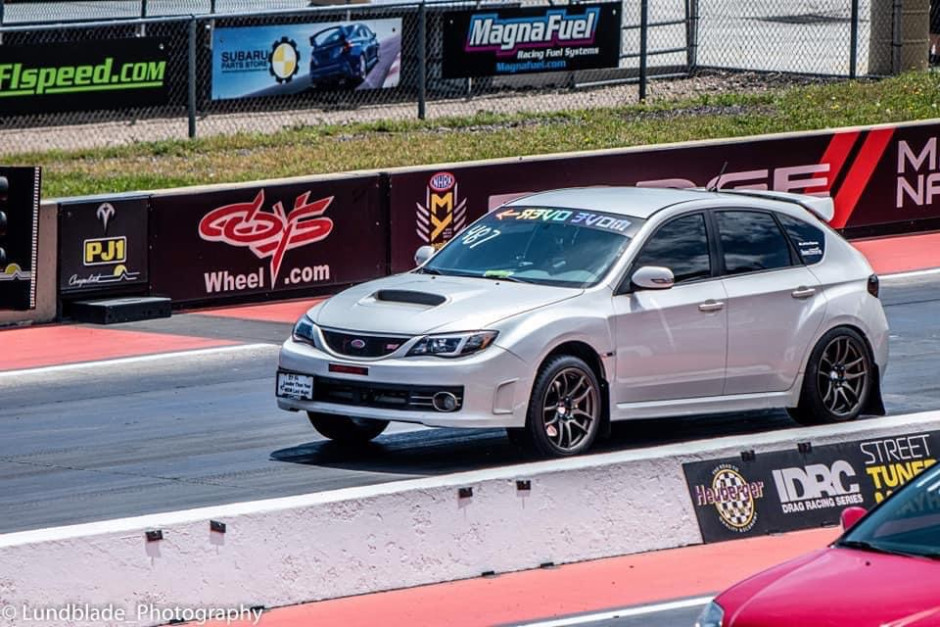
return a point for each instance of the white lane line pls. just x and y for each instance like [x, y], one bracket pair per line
[627, 612]
[911, 274]
[139, 359]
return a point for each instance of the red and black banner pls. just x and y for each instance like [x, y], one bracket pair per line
[883, 179]
[19, 229]
[270, 239]
[103, 245]
[789, 490]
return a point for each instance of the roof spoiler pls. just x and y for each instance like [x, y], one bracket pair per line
[820, 206]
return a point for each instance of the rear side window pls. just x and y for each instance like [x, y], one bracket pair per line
[680, 245]
[751, 242]
[808, 240]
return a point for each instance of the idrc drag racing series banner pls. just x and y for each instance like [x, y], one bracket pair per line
[284, 59]
[495, 42]
[100, 74]
[278, 238]
[103, 245]
[788, 490]
[883, 179]
[19, 224]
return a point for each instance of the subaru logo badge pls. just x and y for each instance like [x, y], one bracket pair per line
[358, 344]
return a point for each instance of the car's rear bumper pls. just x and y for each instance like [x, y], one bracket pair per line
[494, 384]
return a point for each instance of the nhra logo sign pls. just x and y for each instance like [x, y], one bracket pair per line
[444, 213]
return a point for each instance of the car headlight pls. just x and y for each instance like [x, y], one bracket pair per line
[711, 616]
[304, 331]
[453, 344]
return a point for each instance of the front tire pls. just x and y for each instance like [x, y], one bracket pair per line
[838, 380]
[346, 430]
[565, 409]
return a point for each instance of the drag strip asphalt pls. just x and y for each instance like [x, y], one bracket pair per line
[137, 436]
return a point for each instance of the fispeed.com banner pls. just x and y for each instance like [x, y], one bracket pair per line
[285, 59]
[101, 74]
[520, 41]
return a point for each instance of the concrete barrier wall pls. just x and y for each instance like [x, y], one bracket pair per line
[361, 540]
[46, 266]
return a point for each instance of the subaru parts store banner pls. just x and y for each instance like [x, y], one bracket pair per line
[789, 490]
[284, 59]
[884, 179]
[259, 240]
[494, 42]
[103, 245]
[100, 74]
[19, 223]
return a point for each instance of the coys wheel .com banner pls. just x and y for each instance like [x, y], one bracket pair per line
[19, 230]
[789, 490]
[279, 238]
[258, 61]
[883, 180]
[101, 74]
[496, 42]
[103, 245]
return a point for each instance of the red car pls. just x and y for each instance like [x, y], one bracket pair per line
[883, 572]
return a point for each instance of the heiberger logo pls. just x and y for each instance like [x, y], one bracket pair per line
[444, 213]
[734, 497]
[817, 486]
[268, 234]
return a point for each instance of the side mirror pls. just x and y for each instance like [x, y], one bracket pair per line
[653, 278]
[423, 254]
[850, 516]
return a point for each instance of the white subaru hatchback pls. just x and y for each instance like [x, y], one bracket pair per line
[560, 312]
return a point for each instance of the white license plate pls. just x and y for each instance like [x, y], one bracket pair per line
[297, 386]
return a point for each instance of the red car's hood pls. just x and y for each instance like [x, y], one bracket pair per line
[838, 587]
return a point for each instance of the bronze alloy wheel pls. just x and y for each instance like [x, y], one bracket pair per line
[842, 375]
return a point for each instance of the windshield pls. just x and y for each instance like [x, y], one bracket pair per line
[560, 247]
[908, 523]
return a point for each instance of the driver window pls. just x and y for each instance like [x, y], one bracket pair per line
[680, 245]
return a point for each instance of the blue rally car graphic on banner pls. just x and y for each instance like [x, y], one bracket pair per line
[285, 59]
[517, 41]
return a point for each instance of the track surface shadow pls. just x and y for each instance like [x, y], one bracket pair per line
[441, 451]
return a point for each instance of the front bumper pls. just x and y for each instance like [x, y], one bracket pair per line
[494, 384]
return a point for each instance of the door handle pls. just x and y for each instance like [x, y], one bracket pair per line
[803, 292]
[711, 305]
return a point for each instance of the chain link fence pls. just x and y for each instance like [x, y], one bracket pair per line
[227, 67]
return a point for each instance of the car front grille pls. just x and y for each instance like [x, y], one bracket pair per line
[362, 345]
[382, 395]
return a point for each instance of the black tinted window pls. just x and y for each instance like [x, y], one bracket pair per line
[681, 246]
[808, 240]
[751, 241]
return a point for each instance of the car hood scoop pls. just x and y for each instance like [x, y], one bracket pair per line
[413, 304]
[410, 296]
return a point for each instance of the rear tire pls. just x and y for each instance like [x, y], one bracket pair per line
[346, 430]
[565, 409]
[838, 380]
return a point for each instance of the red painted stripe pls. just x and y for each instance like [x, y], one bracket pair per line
[288, 311]
[51, 346]
[575, 588]
[888, 255]
[859, 174]
[836, 155]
